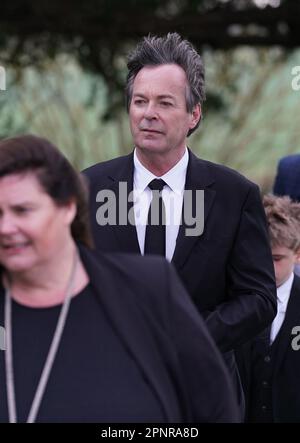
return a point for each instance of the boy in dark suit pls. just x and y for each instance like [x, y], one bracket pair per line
[287, 182]
[270, 364]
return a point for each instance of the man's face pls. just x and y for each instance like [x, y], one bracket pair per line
[159, 119]
[284, 260]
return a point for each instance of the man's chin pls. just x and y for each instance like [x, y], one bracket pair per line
[150, 146]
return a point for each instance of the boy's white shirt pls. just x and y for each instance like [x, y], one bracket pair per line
[283, 295]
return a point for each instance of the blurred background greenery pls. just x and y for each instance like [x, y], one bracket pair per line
[65, 76]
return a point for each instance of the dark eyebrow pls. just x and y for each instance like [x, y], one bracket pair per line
[166, 96]
[162, 96]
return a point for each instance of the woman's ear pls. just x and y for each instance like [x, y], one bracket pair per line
[70, 211]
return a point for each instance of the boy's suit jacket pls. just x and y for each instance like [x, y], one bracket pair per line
[286, 365]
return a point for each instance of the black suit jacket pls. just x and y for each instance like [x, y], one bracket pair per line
[286, 365]
[228, 270]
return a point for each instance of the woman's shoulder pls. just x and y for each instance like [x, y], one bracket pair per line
[136, 290]
[132, 266]
[145, 280]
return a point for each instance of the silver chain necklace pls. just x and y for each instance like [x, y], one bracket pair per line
[9, 369]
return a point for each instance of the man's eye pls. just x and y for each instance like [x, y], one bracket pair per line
[166, 104]
[139, 102]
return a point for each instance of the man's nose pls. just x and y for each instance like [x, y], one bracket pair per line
[150, 111]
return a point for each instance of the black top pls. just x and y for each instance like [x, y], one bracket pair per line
[93, 379]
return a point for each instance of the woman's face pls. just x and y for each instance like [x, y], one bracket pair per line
[33, 229]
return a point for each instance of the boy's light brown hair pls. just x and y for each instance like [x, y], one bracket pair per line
[283, 217]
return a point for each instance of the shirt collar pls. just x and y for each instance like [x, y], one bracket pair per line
[174, 178]
[283, 291]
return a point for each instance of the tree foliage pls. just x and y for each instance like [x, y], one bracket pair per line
[100, 32]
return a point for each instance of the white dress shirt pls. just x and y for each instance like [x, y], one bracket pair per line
[283, 295]
[172, 195]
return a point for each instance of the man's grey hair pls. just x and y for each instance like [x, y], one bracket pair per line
[170, 49]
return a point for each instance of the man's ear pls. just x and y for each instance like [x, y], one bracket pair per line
[196, 115]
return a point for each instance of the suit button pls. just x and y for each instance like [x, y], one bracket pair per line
[267, 359]
[265, 384]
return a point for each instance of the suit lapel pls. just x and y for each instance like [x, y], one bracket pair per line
[283, 340]
[198, 178]
[125, 233]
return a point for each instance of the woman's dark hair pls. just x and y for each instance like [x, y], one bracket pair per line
[56, 175]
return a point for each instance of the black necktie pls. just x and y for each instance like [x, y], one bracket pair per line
[155, 239]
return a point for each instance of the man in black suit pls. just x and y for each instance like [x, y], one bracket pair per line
[221, 253]
[270, 363]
